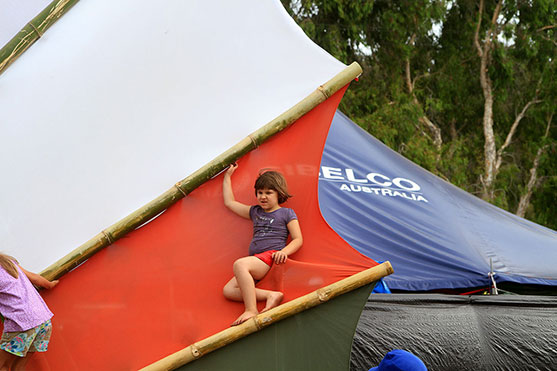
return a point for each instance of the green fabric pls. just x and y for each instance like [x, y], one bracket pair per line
[316, 339]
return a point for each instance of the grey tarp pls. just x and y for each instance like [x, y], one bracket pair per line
[452, 332]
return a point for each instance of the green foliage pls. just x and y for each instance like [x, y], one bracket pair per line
[435, 38]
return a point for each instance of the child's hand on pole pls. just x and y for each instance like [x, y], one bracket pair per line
[231, 169]
[53, 283]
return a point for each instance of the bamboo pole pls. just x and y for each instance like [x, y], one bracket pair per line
[33, 31]
[262, 320]
[187, 185]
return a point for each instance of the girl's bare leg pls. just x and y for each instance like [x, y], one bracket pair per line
[20, 362]
[6, 360]
[272, 299]
[232, 291]
[242, 287]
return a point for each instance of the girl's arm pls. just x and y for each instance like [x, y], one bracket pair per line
[38, 280]
[228, 195]
[294, 245]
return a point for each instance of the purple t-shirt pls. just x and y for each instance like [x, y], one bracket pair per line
[269, 229]
[20, 303]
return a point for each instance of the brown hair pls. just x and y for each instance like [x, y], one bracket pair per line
[275, 181]
[9, 265]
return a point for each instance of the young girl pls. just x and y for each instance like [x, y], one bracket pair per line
[271, 226]
[27, 325]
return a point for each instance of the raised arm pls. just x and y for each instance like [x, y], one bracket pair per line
[228, 195]
[38, 280]
[281, 256]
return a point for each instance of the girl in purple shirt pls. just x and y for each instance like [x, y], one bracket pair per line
[271, 226]
[27, 326]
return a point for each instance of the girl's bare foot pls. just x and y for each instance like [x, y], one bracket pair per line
[244, 317]
[273, 300]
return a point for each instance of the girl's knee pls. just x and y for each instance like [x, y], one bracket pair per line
[240, 264]
[230, 285]
[231, 291]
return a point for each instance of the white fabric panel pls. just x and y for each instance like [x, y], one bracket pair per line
[15, 14]
[121, 99]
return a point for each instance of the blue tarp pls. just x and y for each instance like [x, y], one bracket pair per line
[435, 235]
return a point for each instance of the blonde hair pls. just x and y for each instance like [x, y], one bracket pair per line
[275, 181]
[9, 265]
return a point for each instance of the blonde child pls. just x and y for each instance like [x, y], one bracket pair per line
[27, 326]
[271, 226]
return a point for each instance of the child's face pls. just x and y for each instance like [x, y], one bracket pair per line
[267, 199]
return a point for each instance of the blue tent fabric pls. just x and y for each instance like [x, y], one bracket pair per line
[435, 235]
[381, 288]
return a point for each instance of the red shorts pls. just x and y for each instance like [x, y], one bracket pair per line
[266, 257]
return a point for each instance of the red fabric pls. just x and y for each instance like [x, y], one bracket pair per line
[159, 289]
[266, 257]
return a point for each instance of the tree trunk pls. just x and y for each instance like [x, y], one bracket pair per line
[490, 149]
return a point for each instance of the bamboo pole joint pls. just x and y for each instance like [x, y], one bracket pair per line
[323, 294]
[254, 141]
[36, 29]
[323, 91]
[179, 188]
[108, 236]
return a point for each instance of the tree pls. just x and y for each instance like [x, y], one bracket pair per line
[463, 88]
[500, 19]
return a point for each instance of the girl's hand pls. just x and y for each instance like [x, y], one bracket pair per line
[279, 257]
[53, 283]
[231, 169]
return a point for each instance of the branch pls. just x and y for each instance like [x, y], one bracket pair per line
[548, 125]
[496, 13]
[477, 32]
[490, 33]
[512, 131]
[517, 120]
[424, 75]
[546, 28]
[408, 77]
[409, 83]
[424, 120]
[533, 182]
